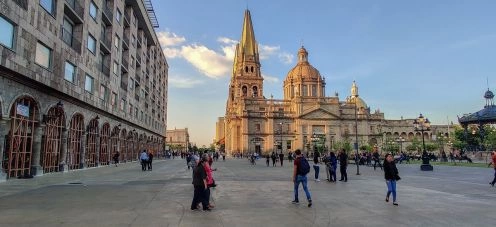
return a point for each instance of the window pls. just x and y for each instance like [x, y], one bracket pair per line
[93, 10]
[88, 83]
[48, 5]
[67, 30]
[103, 92]
[7, 34]
[118, 16]
[43, 55]
[115, 68]
[257, 127]
[135, 112]
[288, 144]
[91, 44]
[130, 109]
[314, 90]
[113, 99]
[70, 72]
[123, 104]
[116, 42]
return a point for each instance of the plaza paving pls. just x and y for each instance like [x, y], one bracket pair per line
[247, 196]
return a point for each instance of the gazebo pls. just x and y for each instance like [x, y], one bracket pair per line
[481, 117]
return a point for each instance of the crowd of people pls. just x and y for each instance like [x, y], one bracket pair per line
[203, 173]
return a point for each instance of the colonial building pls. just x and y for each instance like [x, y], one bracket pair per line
[79, 81]
[178, 140]
[306, 117]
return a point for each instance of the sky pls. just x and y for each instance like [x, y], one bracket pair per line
[407, 57]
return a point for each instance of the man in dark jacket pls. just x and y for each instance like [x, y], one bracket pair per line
[343, 164]
[200, 185]
[376, 158]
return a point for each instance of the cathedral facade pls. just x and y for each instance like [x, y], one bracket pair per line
[306, 118]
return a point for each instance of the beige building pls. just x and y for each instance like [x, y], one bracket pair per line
[79, 81]
[178, 140]
[306, 117]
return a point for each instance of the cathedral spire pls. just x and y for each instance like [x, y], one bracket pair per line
[248, 44]
[354, 90]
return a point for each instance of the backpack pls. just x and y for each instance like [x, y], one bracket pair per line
[304, 167]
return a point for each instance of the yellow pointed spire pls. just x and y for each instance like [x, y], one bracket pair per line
[248, 43]
[354, 90]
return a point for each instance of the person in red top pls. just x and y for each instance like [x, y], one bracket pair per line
[494, 165]
[210, 183]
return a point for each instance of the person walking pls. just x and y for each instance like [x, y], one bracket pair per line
[327, 163]
[144, 160]
[343, 164]
[376, 158]
[210, 182]
[274, 157]
[391, 176]
[316, 167]
[300, 171]
[200, 186]
[150, 160]
[267, 159]
[116, 158]
[333, 166]
[281, 158]
[494, 165]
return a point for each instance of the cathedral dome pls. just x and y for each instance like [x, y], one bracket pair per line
[303, 69]
[354, 98]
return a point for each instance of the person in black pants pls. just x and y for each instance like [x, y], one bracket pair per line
[376, 159]
[150, 160]
[200, 185]
[343, 163]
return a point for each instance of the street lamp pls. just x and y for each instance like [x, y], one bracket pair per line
[280, 134]
[422, 125]
[400, 140]
[356, 138]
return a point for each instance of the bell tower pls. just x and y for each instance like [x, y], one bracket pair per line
[246, 79]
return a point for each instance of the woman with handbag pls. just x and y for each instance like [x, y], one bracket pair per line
[391, 176]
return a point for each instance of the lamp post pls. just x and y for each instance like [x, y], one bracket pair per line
[400, 140]
[422, 125]
[280, 134]
[356, 138]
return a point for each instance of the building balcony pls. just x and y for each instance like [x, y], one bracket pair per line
[125, 42]
[125, 63]
[104, 68]
[138, 60]
[70, 40]
[139, 40]
[127, 19]
[105, 44]
[74, 10]
[107, 14]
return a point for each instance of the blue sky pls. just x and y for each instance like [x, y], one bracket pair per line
[408, 57]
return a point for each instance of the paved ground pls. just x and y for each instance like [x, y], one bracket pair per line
[247, 196]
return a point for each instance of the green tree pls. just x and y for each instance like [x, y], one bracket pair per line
[431, 147]
[345, 144]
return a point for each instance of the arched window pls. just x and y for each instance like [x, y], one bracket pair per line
[255, 91]
[244, 90]
[252, 69]
[246, 68]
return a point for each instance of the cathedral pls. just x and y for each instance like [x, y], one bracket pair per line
[306, 118]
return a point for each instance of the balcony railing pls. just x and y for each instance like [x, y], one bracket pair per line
[70, 40]
[139, 40]
[107, 13]
[138, 59]
[77, 8]
[106, 43]
[127, 19]
[104, 68]
[125, 63]
[125, 42]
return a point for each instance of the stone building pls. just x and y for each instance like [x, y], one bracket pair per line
[178, 139]
[79, 81]
[306, 117]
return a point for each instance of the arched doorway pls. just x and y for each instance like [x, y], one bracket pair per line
[114, 144]
[91, 142]
[52, 149]
[75, 141]
[104, 145]
[124, 151]
[19, 155]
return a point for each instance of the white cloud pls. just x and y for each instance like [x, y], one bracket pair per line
[226, 40]
[183, 82]
[286, 58]
[270, 79]
[266, 51]
[207, 61]
[167, 39]
[172, 52]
